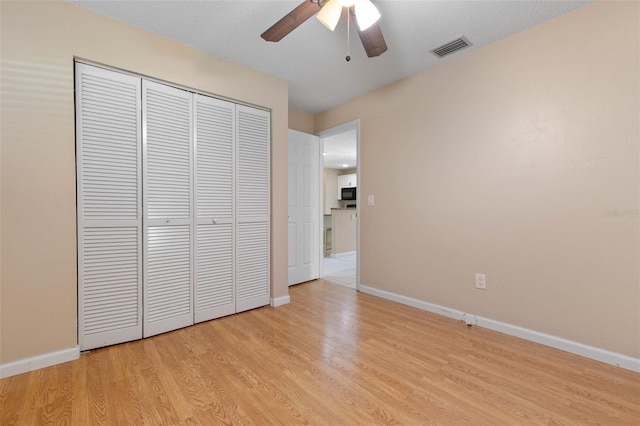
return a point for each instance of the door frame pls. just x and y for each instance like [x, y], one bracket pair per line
[351, 125]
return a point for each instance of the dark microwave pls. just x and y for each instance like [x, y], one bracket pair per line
[348, 194]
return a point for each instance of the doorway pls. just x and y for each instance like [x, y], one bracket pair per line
[341, 208]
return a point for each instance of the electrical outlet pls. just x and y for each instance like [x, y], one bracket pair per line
[481, 281]
[470, 319]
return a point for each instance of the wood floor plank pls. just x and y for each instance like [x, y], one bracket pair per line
[13, 394]
[331, 356]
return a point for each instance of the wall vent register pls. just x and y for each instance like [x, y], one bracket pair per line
[451, 47]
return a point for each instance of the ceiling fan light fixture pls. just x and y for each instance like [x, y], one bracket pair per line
[330, 14]
[366, 14]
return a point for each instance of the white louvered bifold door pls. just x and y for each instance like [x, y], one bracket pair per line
[214, 174]
[252, 213]
[168, 220]
[109, 207]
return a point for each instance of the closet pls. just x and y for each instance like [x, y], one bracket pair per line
[172, 207]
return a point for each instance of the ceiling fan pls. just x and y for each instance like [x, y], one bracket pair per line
[363, 12]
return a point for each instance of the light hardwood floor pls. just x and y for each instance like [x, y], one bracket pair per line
[332, 356]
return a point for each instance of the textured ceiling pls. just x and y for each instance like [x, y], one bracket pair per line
[312, 58]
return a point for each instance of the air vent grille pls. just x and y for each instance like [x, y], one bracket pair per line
[452, 46]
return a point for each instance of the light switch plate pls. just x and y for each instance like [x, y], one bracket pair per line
[370, 200]
[481, 281]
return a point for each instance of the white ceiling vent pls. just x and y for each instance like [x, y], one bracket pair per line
[452, 46]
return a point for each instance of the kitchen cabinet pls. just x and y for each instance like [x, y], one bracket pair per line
[343, 231]
[346, 181]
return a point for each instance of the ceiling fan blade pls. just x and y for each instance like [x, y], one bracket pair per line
[291, 21]
[371, 38]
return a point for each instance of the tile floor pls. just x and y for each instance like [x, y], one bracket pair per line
[341, 269]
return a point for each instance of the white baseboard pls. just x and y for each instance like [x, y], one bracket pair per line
[279, 301]
[598, 354]
[39, 361]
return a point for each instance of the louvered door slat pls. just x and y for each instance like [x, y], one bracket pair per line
[167, 152]
[214, 139]
[168, 278]
[253, 262]
[108, 277]
[109, 207]
[252, 195]
[215, 295]
[168, 303]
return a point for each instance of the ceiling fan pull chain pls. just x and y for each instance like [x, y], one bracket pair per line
[348, 58]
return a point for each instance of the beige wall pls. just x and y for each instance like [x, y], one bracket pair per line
[330, 180]
[301, 121]
[39, 42]
[518, 160]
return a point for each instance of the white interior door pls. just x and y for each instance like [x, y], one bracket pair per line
[173, 207]
[215, 260]
[252, 212]
[168, 220]
[304, 211]
[109, 207]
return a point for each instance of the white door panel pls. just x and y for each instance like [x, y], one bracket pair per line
[253, 265]
[215, 227]
[109, 207]
[215, 292]
[167, 303]
[252, 213]
[304, 216]
[308, 229]
[293, 246]
[168, 220]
